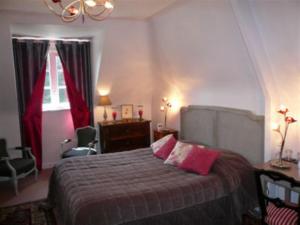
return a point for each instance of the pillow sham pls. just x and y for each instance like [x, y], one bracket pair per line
[164, 146]
[179, 153]
[200, 160]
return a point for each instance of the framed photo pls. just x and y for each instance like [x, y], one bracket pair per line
[127, 111]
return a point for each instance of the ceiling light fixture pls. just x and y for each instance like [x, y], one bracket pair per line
[70, 10]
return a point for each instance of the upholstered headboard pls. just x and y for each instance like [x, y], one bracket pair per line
[238, 130]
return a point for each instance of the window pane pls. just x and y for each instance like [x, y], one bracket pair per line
[47, 96]
[63, 95]
[47, 80]
[60, 78]
[58, 63]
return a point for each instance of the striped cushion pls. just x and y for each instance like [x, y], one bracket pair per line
[280, 216]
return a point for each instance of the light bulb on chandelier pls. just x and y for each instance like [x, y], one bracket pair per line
[70, 10]
[90, 3]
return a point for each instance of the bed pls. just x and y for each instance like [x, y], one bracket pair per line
[135, 188]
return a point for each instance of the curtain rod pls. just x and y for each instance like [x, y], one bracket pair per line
[50, 39]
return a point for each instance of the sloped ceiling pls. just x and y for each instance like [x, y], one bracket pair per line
[131, 9]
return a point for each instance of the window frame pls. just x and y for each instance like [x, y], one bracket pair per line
[54, 87]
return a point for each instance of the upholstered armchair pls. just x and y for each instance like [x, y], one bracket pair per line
[86, 140]
[15, 168]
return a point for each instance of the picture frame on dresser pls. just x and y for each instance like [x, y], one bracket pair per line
[127, 111]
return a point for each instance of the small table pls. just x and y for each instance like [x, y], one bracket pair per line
[293, 171]
[160, 134]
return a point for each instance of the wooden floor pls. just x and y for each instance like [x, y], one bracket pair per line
[29, 189]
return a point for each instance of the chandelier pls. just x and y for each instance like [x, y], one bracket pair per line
[70, 10]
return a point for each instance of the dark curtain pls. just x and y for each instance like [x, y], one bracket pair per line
[30, 57]
[76, 61]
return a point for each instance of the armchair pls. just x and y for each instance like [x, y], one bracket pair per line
[14, 169]
[85, 143]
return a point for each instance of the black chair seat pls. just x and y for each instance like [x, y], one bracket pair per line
[73, 153]
[20, 165]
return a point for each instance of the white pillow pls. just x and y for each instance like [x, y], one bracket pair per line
[179, 153]
[159, 143]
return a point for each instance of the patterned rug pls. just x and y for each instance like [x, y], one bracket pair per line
[33, 213]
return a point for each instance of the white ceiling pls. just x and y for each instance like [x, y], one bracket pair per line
[132, 9]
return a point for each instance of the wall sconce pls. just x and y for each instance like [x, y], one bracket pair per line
[276, 127]
[164, 108]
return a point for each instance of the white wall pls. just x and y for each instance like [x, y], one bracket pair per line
[232, 53]
[202, 59]
[278, 25]
[271, 32]
[242, 54]
[124, 68]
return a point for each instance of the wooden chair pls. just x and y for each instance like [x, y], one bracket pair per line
[14, 169]
[275, 211]
[85, 143]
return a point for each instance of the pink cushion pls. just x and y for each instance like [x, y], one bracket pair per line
[280, 216]
[200, 160]
[163, 147]
[179, 153]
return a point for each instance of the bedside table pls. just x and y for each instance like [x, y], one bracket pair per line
[292, 172]
[160, 134]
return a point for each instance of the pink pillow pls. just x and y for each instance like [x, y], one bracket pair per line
[200, 160]
[179, 153]
[163, 147]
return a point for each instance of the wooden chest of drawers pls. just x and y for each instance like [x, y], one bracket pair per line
[117, 136]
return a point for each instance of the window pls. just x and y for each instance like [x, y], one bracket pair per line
[55, 91]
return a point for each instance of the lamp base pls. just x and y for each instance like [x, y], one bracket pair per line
[104, 114]
[280, 164]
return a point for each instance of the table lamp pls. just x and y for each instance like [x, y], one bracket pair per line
[104, 101]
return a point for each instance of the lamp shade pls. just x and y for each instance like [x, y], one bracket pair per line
[104, 100]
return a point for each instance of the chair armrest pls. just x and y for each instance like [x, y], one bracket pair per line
[66, 141]
[62, 145]
[92, 143]
[10, 167]
[27, 150]
[20, 148]
[4, 159]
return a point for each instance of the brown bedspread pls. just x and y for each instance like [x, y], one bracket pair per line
[134, 187]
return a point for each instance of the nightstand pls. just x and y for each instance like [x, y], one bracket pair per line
[292, 172]
[160, 134]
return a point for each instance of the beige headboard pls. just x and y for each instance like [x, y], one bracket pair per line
[238, 130]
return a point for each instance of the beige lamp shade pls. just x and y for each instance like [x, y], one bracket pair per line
[104, 100]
